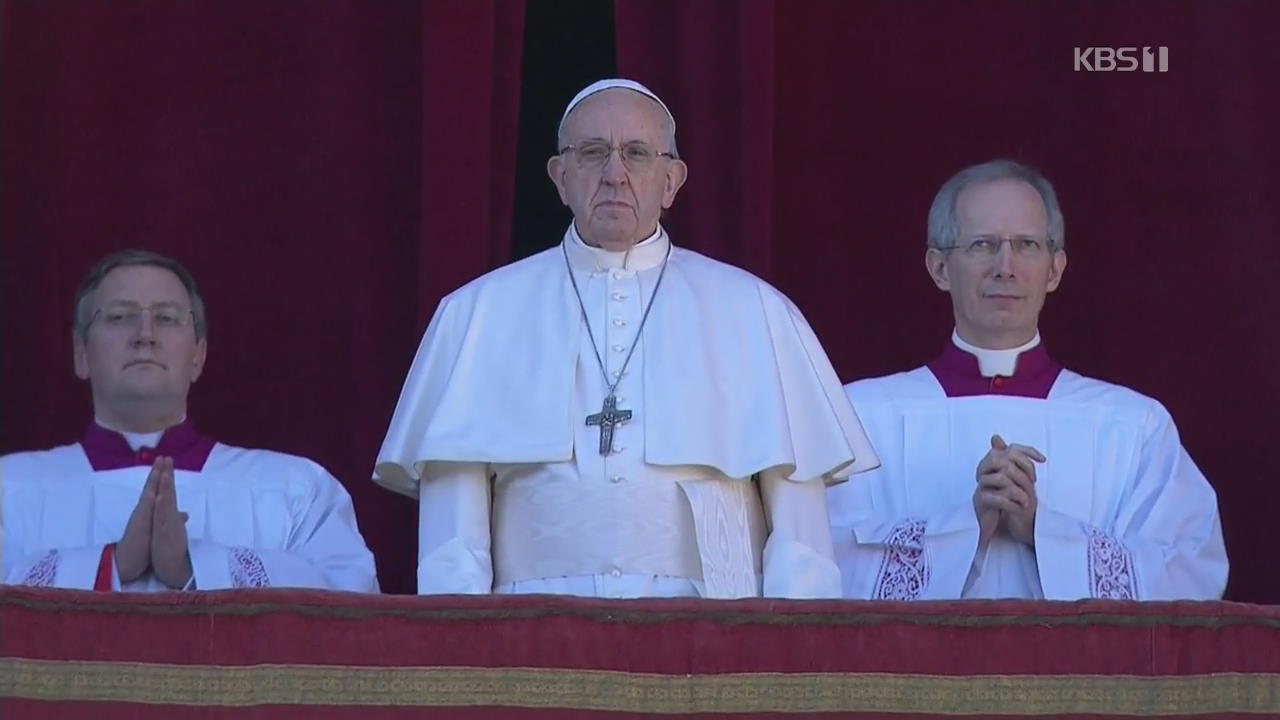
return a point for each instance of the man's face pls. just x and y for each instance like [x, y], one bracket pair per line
[132, 358]
[615, 206]
[997, 298]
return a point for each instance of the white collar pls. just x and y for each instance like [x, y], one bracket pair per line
[647, 253]
[995, 362]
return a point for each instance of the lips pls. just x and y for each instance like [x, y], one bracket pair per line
[1003, 295]
[132, 363]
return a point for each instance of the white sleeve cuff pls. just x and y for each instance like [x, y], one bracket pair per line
[77, 568]
[795, 570]
[210, 565]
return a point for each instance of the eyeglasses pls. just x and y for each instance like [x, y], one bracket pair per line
[988, 246]
[128, 316]
[635, 155]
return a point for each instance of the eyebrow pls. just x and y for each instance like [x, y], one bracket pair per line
[606, 141]
[134, 303]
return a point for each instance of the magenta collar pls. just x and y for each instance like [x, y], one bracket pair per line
[108, 450]
[1033, 376]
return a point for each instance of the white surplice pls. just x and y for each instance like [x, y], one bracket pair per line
[726, 384]
[1123, 512]
[256, 519]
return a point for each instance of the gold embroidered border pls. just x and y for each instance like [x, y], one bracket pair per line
[596, 690]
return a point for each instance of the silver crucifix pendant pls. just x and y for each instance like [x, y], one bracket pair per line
[608, 418]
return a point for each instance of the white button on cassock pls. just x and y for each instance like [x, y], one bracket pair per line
[616, 479]
[618, 348]
[619, 322]
[618, 296]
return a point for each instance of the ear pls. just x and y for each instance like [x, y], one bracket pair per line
[935, 262]
[677, 173]
[1055, 272]
[197, 362]
[556, 171]
[79, 355]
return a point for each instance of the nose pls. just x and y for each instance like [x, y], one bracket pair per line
[145, 332]
[1004, 259]
[614, 171]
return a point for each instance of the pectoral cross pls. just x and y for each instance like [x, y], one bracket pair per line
[608, 418]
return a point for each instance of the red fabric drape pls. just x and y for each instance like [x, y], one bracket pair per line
[817, 133]
[327, 171]
[290, 654]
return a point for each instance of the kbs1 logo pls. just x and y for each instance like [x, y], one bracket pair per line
[1122, 59]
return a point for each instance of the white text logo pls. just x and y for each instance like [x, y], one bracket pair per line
[1122, 59]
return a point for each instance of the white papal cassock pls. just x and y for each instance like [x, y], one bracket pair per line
[727, 383]
[256, 518]
[1123, 512]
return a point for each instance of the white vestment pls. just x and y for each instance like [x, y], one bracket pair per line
[256, 519]
[726, 383]
[1122, 512]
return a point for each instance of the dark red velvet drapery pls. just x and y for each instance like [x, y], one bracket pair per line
[817, 132]
[327, 170]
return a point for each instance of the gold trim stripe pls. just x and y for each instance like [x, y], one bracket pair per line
[597, 690]
[360, 608]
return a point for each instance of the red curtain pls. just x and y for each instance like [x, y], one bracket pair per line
[817, 132]
[327, 171]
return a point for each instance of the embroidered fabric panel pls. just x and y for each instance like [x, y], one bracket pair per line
[43, 572]
[247, 569]
[904, 572]
[1111, 573]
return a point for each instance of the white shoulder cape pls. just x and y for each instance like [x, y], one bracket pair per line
[734, 378]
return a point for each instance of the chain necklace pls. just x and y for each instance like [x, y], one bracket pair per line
[610, 416]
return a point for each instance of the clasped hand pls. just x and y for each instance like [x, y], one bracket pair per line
[155, 537]
[1006, 492]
